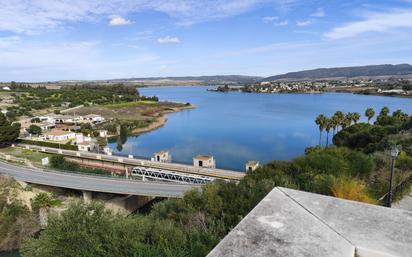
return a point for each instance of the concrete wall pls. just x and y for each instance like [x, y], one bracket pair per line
[295, 223]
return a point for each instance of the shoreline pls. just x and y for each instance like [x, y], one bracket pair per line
[159, 121]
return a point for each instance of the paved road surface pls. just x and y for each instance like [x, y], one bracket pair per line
[93, 183]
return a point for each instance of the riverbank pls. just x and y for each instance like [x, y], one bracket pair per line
[159, 121]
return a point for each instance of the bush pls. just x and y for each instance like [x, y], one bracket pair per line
[47, 144]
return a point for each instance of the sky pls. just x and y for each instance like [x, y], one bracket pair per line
[49, 40]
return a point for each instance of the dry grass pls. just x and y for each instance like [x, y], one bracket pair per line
[133, 111]
[351, 189]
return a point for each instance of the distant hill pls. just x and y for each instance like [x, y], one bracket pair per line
[200, 79]
[347, 72]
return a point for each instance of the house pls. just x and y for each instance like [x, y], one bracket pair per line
[162, 156]
[251, 165]
[6, 88]
[59, 135]
[66, 119]
[94, 118]
[87, 146]
[46, 126]
[204, 161]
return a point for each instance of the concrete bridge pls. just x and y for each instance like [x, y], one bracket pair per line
[122, 163]
[89, 184]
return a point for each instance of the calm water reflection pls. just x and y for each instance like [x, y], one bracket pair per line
[236, 127]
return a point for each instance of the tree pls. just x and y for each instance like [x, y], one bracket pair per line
[321, 122]
[335, 123]
[34, 129]
[8, 132]
[355, 117]
[339, 116]
[383, 118]
[328, 128]
[369, 113]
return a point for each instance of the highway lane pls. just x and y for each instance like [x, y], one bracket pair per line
[93, 183]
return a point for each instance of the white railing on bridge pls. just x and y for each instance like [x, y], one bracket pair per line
[170, 176]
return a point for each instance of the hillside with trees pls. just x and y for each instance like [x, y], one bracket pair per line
[347, 72]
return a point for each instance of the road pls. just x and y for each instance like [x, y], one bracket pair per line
[93, 183]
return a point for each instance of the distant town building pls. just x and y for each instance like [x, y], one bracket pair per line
[59, 135]
[204, 161]
[93, 118]
[162, 156]
[251, 165]
[6, 88]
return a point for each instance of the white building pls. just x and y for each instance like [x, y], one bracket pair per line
[162, 156]
[204, 161]
[87, 146]
[6, 88]
[59, 135]
[93, 118]
[251, 165]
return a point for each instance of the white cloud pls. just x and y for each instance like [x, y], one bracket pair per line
[375, 22]
[168, 40]
[74, 60]
[22, 16]
[281, 23]
[269, 19]
[318, 13]
[303, 23]
[119, 21]
[9, 41]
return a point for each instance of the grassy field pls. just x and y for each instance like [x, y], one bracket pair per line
[132, 111]
[34, 157]
[127, 104]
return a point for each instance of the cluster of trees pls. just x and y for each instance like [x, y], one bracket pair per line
[8, 131]
[29, 98]
[193, 225]
[337, 121]
[388, 129]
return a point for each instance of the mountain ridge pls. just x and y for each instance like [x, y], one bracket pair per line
[346, 72]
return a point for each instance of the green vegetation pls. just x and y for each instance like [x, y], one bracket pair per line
[355, 168]
[17, 222]
[59, 162]
[48, 144]
[34, 129]
[8, 132]
[126, 104]
[27, 98]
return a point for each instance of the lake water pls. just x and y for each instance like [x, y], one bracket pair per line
[236, 127]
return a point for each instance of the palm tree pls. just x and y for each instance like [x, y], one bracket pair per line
[346, 121]
[339, 116]
[321, 122]
[335, 123]
[327, 128]
[355, 117]
[369, 113]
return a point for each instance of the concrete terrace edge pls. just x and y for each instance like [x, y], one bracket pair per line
[294, 223]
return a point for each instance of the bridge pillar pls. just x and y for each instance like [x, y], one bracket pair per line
[87, 196]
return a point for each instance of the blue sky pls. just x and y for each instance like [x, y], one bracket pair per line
[44, 40]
